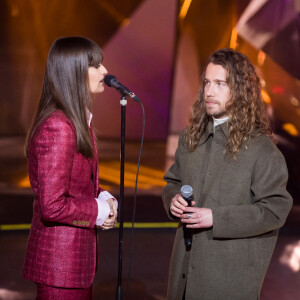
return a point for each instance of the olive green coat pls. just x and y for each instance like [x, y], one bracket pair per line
[249, 204]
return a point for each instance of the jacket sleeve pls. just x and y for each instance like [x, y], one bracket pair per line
[54, 149]
[271, 201]
[172, 177]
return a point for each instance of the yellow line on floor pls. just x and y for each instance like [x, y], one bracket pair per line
[14, 226]
[148, 225]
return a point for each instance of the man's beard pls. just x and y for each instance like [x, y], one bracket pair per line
[216, 113]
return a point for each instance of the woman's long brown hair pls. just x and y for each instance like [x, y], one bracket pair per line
[66, 87]
[247, 113]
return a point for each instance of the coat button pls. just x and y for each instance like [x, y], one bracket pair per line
[183, 276]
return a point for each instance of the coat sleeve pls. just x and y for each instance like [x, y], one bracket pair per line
[172, 177]
[271, 201]
[54, 149]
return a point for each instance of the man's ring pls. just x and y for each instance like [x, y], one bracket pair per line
[189, 216]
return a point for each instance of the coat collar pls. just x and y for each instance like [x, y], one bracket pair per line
[210, 130]
[224, 128]
[207, 133]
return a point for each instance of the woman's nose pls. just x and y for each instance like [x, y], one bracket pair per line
[104, 70]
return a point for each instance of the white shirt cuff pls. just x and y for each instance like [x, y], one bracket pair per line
[103, 211]
[105, 195]
[103, 206]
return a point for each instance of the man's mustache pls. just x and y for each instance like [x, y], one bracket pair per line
[212, 101]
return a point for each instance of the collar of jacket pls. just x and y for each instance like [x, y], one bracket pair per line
[210, 130]
[224, 128]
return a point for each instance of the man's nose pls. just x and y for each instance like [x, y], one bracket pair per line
[210, 90]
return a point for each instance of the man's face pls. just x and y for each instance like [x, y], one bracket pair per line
[216, 91]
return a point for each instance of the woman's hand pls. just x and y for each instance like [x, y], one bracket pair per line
[111, 220]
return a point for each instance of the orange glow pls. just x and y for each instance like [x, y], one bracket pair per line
[265, 96]
[148, 177]
[113, 12]
[15, 11]
[261, 57]
[24, 182]
[125, 22]
[290, 129]
[184, 9]
[110, 172]
[233, 38]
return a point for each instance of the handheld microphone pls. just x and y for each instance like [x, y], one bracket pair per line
[187, 195]
[112, 81]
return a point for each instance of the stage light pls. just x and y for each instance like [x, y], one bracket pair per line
[290, 129]
[233, 38]
[261, 57]
[291, 257]
[265, 96]
[294, 101]
[184, 9]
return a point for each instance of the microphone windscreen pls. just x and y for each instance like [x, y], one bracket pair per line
[108, 78]
[186, 191]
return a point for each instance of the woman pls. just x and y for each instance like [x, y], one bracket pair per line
[61, 149]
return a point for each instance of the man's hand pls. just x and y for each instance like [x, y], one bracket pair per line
[197, 217]
[177, 206]
[111, 220]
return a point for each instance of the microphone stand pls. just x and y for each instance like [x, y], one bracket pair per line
[123, 103]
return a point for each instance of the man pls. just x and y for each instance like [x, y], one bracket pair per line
[238, 177]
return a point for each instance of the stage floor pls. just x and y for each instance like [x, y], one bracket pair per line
[153, 240]
[149, 269]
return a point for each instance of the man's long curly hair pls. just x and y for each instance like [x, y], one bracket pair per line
[247, 113]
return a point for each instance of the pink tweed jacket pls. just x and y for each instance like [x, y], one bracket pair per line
[62, 245]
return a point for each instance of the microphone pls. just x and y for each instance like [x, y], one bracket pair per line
[112, 81]
[187, 195]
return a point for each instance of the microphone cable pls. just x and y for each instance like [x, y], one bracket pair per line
[134, 202]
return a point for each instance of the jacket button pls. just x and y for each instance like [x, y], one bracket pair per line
[183, 276]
